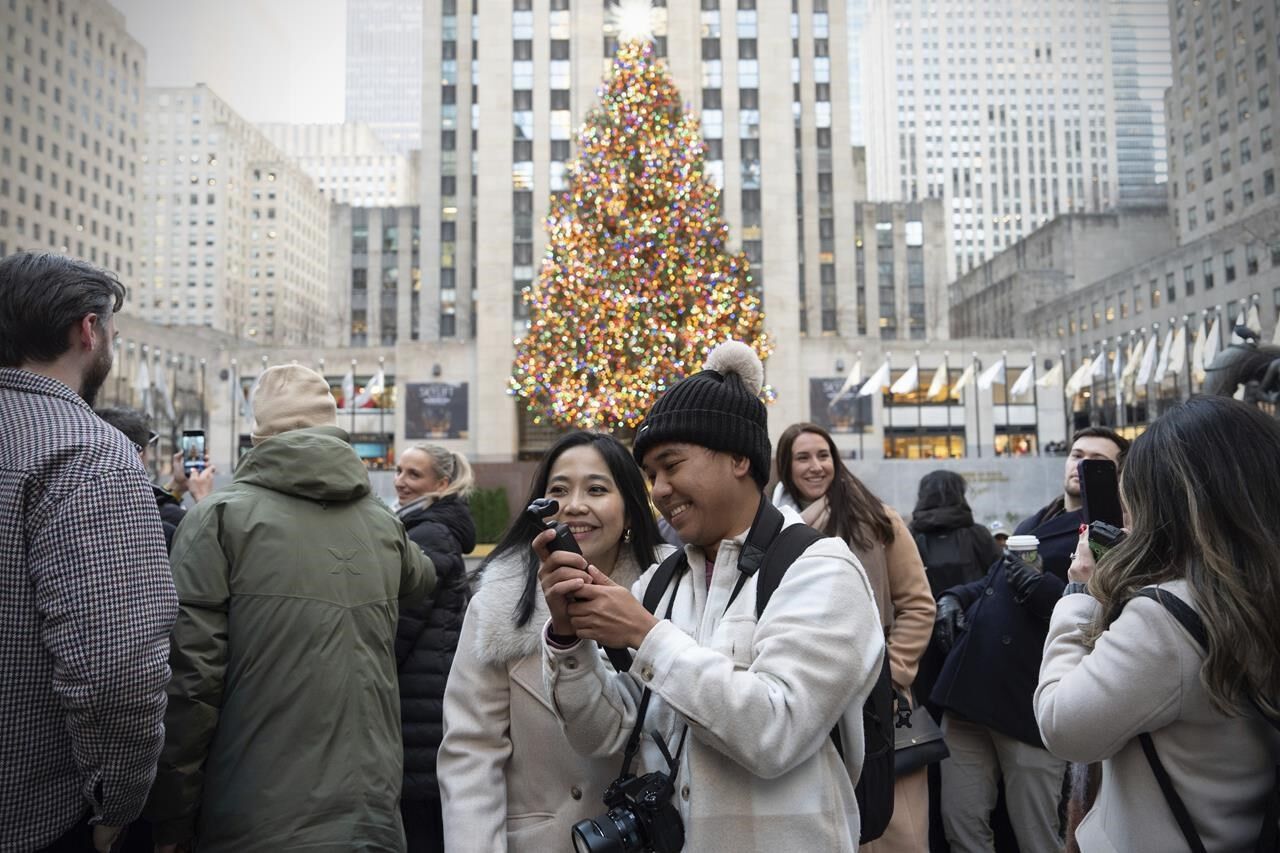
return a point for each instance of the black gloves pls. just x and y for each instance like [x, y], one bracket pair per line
[949, 622]
[1022, 578]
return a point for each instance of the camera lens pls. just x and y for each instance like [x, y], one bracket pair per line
[616, 832]
[588, 837]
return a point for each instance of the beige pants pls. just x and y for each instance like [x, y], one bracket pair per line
[970, 779]
[908, 830]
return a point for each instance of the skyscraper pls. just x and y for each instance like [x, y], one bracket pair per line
[72, 118]
[384, 69]
[1003, 108]
[1141, 69]
[348, 162]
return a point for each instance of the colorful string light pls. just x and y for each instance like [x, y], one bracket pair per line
[636, 285]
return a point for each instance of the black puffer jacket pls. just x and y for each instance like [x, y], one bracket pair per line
[171, 513]
[427, 636]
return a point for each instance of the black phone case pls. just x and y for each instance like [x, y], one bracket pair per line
[1100, 492]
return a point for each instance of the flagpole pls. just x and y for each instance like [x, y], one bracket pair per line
[888, 417]
[946, 378]
[1035, 399]
[382, 410]
[351, 404]
[862, 428]
[1067, 402]
[1008, 427]
[235, 410]
[1187, 351]
[977, 405]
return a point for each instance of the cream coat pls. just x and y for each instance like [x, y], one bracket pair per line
[509, 781]
[759, 771]
[1143, 675]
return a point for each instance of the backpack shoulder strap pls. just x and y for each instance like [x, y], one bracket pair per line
[1181, 611]
[674, 564]
[784, 550]
[1179, 808]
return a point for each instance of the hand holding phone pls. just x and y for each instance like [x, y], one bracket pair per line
[539, 510]
[192, 450]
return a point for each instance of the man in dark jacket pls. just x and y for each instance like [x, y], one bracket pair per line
[998, 626]
[283, 729]
[136, 427]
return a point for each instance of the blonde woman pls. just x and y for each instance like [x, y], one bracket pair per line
[432, 484]
[1127, 682]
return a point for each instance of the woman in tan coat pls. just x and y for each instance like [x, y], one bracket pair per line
[1201, 489]
[509, 780]
[831, 499]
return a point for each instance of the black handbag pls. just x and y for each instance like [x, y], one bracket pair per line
[917, 742]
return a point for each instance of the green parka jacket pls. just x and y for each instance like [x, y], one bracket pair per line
[283, 725]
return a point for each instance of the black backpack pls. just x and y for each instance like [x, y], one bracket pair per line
[771, 549]
[1269, 837]
[950, 558]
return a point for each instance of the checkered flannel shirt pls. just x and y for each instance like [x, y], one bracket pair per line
[86, 607]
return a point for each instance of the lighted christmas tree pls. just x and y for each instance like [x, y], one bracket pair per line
[637, 284]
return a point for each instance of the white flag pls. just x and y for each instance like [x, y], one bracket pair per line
[1162, 363]
[377, 384]
[876, 382]
[1197, 354]
[1210, 346]
[162, 389]
[142, 384]
[851, 383]
[1254, 322]
[1136, 354]
[939, 383]
[1023, 384]
[1118, 369]
[1148, 363]
[246, 397]
[1080, 378]
[965, 378]
[1178, 352]
[348, 389]
[907, 382]
[992, 375]
[1098, 370]
[1242, 319]
[1052, 379]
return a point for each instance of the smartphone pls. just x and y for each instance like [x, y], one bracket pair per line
[192, 450]
[1100, 492]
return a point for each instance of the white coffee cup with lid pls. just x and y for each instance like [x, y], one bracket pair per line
[1026, 547]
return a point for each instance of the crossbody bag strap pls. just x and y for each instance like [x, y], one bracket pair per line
[670, 567]
[1179, 808]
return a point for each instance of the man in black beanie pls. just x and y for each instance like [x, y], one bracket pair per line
[752, 697]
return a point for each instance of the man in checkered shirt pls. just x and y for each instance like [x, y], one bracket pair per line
[86, 598]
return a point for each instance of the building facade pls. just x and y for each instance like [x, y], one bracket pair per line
[384, 69]
[348, 162]
[1220, 113]
[71, 132]
[1005, 111]
[900, 271]
[1141, 70]
[235, 236]
[376, 252]
[1006, 295]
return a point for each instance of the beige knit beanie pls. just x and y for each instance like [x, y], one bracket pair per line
[289, 396]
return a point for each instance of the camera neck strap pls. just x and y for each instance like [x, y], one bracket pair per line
[633, 742]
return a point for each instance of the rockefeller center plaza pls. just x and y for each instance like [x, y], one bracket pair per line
[640, 425]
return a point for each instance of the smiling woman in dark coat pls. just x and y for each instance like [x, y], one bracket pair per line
[432, 484]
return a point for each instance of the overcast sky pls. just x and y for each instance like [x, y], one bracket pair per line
[271, 60]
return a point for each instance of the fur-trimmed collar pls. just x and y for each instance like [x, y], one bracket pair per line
[494, 607]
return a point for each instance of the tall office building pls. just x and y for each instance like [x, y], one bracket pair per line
[69, 144]
[1141, 70]
[1002, 108]
[508, 86]
[856, 10]
[384, 69]
[235, 236]
[1221, 116]
[348, 162]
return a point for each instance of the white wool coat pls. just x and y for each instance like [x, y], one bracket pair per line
[759, 771]
[509, 781]
[1143, 675]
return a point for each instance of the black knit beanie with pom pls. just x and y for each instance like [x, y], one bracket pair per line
[718, 408]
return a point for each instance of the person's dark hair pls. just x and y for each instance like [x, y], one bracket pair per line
[42, 296]
[645, 537]
[856, 515]
[1110, 435]
[1201, 488]
[941, 489]
[135, 425]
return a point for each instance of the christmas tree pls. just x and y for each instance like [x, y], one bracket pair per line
[637, 285]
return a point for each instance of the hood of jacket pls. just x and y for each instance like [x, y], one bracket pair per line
[164, 498]
[317, 463]
[449, 511]
[494, 606]
[941, 518]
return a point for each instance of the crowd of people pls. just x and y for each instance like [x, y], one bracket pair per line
[290, 663]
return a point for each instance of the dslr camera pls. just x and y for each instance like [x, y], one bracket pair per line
[640, 819]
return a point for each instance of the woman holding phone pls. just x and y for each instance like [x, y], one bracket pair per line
[1164, 655]
[509, 780]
